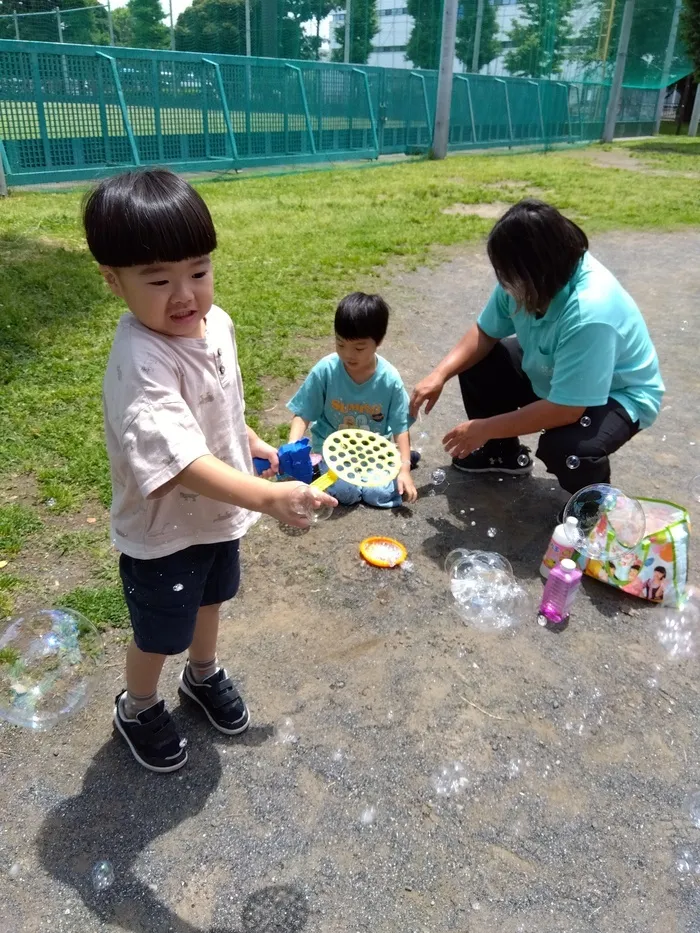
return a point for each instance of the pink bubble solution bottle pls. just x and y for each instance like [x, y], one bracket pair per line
[559, 592]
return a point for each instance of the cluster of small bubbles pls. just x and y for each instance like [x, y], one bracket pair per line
[573, 462]
[687, 863]
[179, 587]
[368, 816]
[590, 709]
[421, 441]
[385, 552]
[691, 808]
[407, 566]
[438, 477]
[450, 780]
[678, 630]
[285, 733]
[49, 658]
[523, 460]
[492, 532]
[102, 875]
[51, 503]
[338, 755]
[486, 594]
[516, 767]
[585, 421]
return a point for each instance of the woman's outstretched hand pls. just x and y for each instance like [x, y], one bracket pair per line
[427, 392]
[465, 438]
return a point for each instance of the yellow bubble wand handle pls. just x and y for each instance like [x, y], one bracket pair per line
[324, 481]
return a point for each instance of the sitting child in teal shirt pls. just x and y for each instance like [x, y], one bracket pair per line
[356, 388]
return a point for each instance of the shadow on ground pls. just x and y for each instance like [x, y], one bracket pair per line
[79, 834]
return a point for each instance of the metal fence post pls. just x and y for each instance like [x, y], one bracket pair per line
[370, 108]
[3, 180]
[122, 106]
[539, 105]
[16, 21]
[668, 60]
[616, 88]
[505, 89]
[567, 88]
[470, 102]
[104, 122]
[305, 103]
[428, 117]
[155, 74]
[40, 109]
[224, 105]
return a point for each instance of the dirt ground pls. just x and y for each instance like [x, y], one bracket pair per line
[576, 749]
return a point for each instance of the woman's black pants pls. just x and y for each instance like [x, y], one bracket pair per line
[498, 385]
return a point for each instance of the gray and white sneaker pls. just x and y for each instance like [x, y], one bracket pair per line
[220, 700]
[152, 737]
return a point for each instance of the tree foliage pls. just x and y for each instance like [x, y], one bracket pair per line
[690, 31]
[364, 26]
[540, 38]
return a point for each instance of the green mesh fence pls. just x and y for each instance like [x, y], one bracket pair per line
[72, 112]
[534, 72]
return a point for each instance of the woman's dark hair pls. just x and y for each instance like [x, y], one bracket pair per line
[362, 317]
[661, 570]
[534, 251]
[144, 217]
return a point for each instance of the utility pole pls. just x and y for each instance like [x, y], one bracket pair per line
[616, 88]
[477, 35]
[348, 31]
[441, 130]
[673, 33]
[695, 115]
[172, 27]
[110, 26]
[248, 43]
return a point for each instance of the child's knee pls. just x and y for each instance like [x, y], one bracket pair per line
[382, 497]
[345, 493]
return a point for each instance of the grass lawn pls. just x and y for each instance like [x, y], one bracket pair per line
[677, 153]
[290, 247]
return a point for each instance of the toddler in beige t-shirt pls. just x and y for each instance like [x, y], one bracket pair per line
[180, 453]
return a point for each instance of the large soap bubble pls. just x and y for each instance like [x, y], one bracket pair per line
[605, 518]
[468, 559]
[486, 594]
[678, 630]
[307, 502]
[47, 660]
